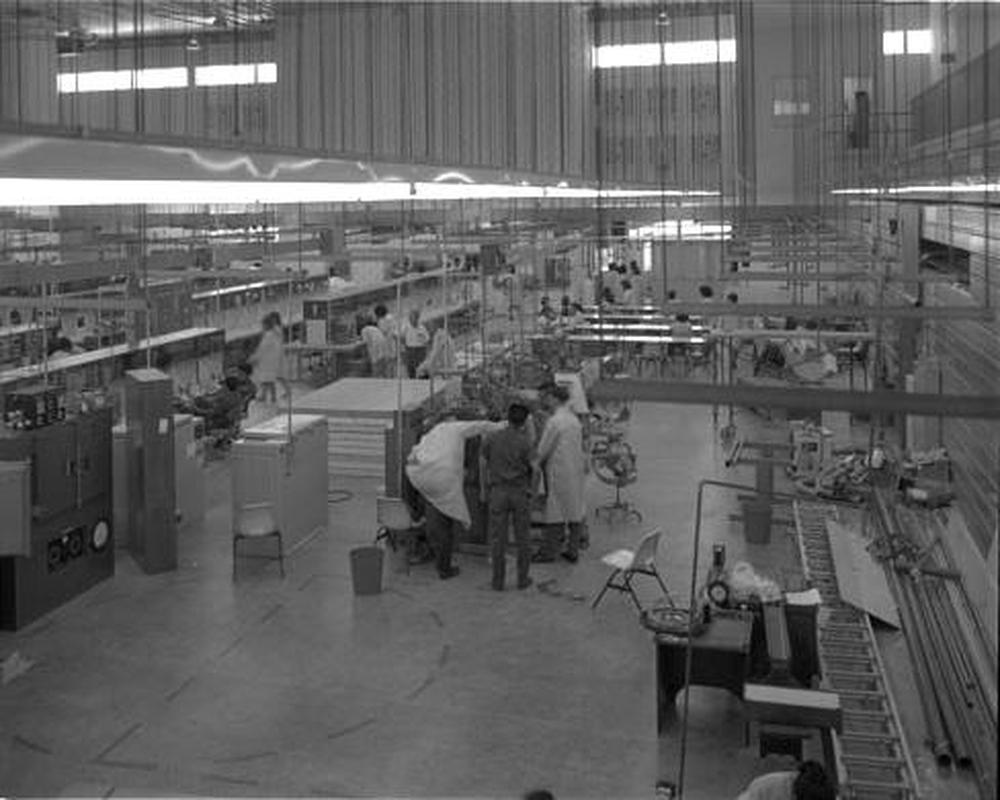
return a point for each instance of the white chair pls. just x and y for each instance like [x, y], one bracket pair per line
[626, 564]
[256, 521]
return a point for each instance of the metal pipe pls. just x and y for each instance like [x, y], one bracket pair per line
[970, 708]
[936, 737]
[944, 685]
[986, 688]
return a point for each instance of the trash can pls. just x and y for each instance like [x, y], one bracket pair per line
[366, 570]
[757, 521]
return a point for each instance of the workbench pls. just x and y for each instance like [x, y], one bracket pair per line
[720, 657]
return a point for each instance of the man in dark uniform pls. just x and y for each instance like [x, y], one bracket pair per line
[507, 455]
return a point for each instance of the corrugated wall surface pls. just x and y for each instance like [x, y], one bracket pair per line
[504, 85]
[967, 353]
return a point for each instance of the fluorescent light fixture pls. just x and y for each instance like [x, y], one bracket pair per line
[789, 108]
[705, 51]
[267, 72]
[35, 192]
[893, 43]
[164, 78]
[236, 74]
[915, 42]
[226, 75]
[919, 42]
[686, 229]
[123, 80]
[954, 188]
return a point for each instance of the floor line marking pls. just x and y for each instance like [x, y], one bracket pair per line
[248, 757]
[445, 653]
[30, 745]
[437, 618]
[352, 728]
[308, 580]
[173, 695]
[303, 542]
[144, 766]
[214, 776]
[420, 689]
[231, 647]
[118, 741]
[274, 610]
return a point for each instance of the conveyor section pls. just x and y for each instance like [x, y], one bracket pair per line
[874, 761]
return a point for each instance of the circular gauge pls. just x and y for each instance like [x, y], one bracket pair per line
[718, 592]
[99, 535]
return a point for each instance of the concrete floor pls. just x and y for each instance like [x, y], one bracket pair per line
[190, 684]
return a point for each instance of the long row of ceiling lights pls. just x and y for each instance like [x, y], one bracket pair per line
[122, 80]
[34, 192]
[930, 188]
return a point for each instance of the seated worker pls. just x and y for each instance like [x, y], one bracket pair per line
[547, 316]
[809, 782]
[436, 468]
[681, 325]
[507, 457]
[223, 408]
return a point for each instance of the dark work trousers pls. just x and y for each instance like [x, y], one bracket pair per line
[441, 534]
[414, 357]
[553, 537]
[509, 504]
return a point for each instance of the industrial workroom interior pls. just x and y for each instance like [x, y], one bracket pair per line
[314, 315]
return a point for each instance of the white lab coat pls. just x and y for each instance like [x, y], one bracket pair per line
[436, 466]
[268, 358]
[560, 451]
[441, 357]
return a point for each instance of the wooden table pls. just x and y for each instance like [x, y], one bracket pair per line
[719, 657]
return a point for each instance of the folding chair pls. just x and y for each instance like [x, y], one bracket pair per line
[256, 521]
[627, 564]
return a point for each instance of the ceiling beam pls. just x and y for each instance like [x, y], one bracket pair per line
[876, 402]
[826, 312]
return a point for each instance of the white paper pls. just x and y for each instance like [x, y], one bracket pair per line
[810, 598]
[164, 426]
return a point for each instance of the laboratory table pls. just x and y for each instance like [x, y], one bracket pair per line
[720, 657]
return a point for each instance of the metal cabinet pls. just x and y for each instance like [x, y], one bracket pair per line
[93, 465]
[15, 500]
[54, 487]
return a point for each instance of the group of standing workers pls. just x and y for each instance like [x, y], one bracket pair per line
[422, 354]
[513, 464]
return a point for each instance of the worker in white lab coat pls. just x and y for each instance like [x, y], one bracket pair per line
[441, 358]
[564, 464]
[268, 360]
[436, 468]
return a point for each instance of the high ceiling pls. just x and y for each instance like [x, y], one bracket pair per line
[126, 18]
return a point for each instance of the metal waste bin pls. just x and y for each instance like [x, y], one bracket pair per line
[366, 570]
